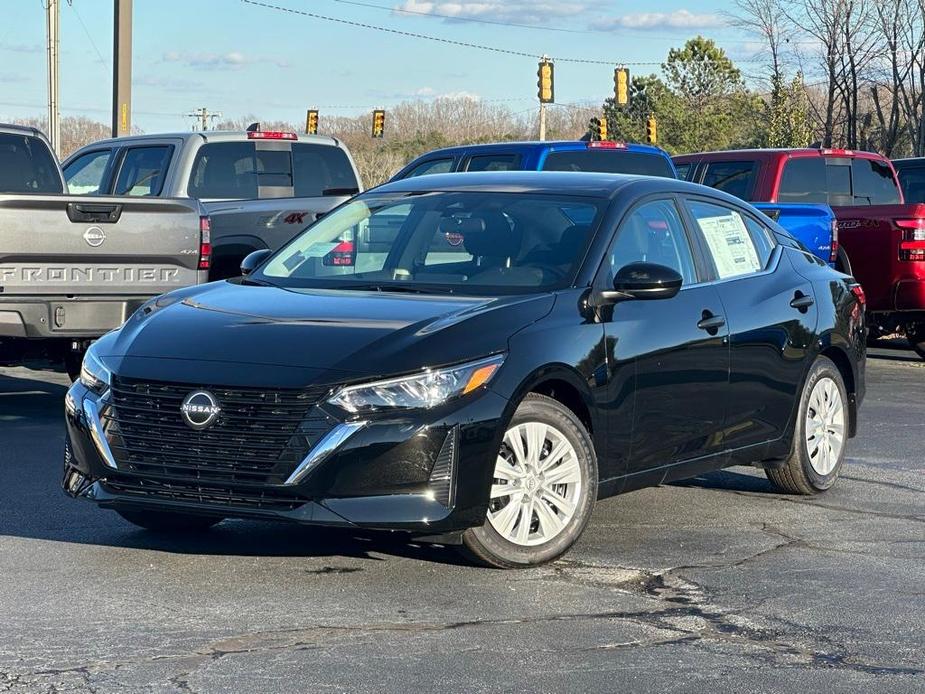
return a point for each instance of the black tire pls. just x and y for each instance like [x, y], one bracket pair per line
[168, 521]
[798, 475]
[72, 363]
[915, 333]
[486, 546]
[842, 264]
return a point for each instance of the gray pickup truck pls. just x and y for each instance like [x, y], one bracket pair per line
[259, 188]
[72, 268]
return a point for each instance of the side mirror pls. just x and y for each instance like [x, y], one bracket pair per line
[252, 260]
[643, 281]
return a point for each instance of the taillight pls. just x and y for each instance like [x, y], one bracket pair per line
[912, 246]
[836, 151]
[606, 144]
[270, 135]
[833, 253]
[858, 292]
[343, 253]
[205, 243]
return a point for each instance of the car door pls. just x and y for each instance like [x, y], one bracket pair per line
[677, 346]
[771, 317]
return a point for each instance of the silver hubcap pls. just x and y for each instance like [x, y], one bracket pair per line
[825, 426]
[537, 484]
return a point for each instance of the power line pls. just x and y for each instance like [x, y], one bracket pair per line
[465, 44]
[87, 32]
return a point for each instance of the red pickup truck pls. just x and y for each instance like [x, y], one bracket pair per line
[881, 238]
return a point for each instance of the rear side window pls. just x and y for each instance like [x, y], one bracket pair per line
[85, 174]
[494, 162]
[733, 177]
[26, 166]
[873, 183]
[729, 240]
[685, 171]
[433, 166]
[913, 183]
[143, 170]
[322, 170]
[609, 161]
[224, 170]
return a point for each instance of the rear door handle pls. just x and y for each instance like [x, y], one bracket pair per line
[711, 323]
[802, 301]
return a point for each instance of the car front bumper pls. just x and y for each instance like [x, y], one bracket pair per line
[428, 472]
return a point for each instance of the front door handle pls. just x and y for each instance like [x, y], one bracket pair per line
[802, 301]
[711, 323]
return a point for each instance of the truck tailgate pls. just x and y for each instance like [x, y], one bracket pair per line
[809, 223]
[266, 223]
[75, 245]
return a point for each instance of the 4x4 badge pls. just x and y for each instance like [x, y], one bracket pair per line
[94, 237]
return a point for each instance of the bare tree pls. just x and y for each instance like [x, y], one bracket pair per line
[768, 20]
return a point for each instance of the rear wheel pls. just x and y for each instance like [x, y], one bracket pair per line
[915, 333]
[821, 434]
[543, 488]
[73, 360]
[169, 522]
[842, 264]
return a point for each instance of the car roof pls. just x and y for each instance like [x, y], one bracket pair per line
[583, 183]
[910, 160]
[527, 145]
[210, 136]
[771, 153]
[19, 129]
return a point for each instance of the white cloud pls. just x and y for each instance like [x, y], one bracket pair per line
[515, 11]
[679, 19]
[233, 60]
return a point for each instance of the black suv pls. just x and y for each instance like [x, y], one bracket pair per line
[477, 358]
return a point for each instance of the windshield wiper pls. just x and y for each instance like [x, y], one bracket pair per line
[404, 288]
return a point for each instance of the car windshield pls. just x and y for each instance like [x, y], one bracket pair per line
[465, 242]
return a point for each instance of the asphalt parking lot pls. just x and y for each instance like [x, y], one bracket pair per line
[714, 584]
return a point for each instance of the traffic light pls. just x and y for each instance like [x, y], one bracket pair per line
[621, 87]
[311, 122]
[651, 130]
[603, 127]
[594, 127]
[544, 84]
[378, 122]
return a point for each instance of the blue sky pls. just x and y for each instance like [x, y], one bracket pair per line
[240, 59]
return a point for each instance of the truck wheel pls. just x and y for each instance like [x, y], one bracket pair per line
[543, 491]
[820, 434]
[842, 264]
[169, 522]
[72, 363]
[915, 333]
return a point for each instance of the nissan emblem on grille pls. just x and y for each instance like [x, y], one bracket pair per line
[200, 409]
[94, 236]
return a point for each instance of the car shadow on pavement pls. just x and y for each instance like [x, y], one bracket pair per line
[729, 480]
[33, 506]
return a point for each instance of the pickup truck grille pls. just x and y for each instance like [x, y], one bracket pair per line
[258, 439]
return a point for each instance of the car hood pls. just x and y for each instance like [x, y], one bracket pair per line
[356, 332]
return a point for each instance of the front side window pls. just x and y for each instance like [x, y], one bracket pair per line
[433, 166]
[465, 242]
[85, 175]
[26, 166]
[653, 233]
[733, 250]
[733, 177]
[143, 170]
[494, 162]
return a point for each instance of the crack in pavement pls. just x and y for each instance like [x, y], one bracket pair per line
[844, 509]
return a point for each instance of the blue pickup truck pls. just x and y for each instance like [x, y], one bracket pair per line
[811, 224]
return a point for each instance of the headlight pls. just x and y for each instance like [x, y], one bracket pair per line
[93, 373]
[422, 390]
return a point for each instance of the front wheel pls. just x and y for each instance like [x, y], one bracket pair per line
[820, 435]
[543, 488]
[168, 521]
[915, 333]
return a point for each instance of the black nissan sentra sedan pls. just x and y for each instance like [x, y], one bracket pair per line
[476, 359]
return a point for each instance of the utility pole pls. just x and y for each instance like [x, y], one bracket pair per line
[121, 68]
[53, 14]
[204, 116]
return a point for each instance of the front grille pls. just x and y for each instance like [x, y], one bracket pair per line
[258, 439]
[153, 489]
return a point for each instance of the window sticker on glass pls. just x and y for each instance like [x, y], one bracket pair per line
[730, 245]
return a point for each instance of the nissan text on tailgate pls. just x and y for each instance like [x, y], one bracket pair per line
[881, 235]
[73, 268]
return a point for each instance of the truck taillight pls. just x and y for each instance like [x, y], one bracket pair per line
[205, 243]
[344, 253]
[912, 246]
[858, 292]
[271, 135]
[836, 151]
[606, 144]
[833, 252]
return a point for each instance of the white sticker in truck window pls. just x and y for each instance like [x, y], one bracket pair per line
[731, 246]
